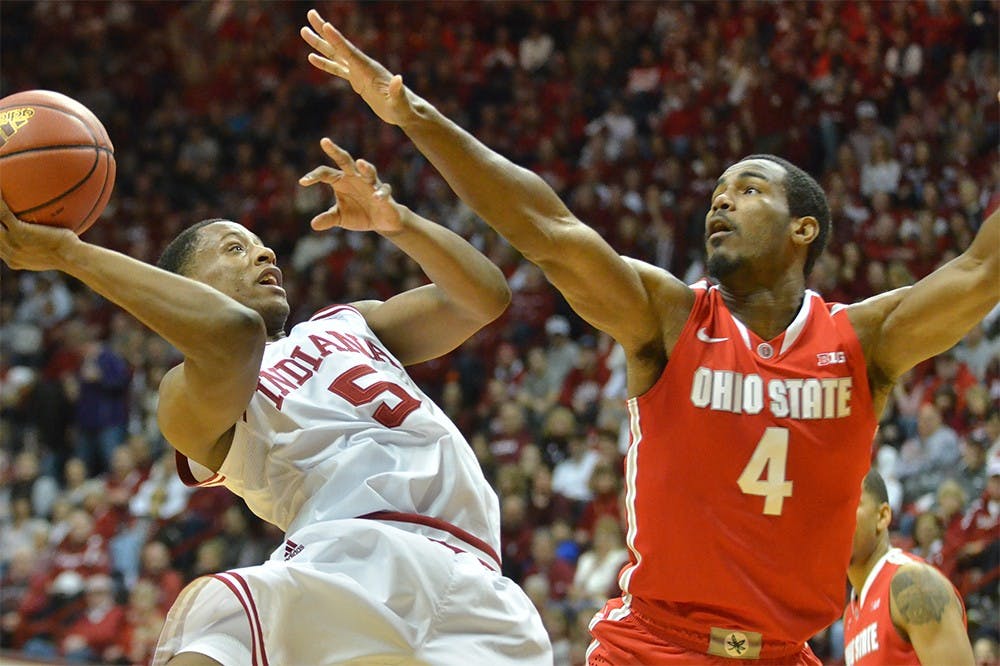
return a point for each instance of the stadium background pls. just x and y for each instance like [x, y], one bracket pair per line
[630, 111]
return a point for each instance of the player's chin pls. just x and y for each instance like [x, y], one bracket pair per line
[274, 314]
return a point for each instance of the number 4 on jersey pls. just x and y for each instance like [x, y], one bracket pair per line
[770, 455]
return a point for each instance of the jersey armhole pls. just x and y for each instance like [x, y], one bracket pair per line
[196, 475]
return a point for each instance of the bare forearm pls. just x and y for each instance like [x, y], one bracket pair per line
[468, 278]
[197, 319]
[513, 200]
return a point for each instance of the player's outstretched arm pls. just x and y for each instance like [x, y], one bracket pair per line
[596, 281]
[468, 290]
[222, 341]
[902, 328]
[924, 606]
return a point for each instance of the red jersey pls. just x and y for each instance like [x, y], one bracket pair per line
[744, 472]
[870, 637]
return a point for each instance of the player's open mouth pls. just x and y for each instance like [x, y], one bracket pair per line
[270, 277]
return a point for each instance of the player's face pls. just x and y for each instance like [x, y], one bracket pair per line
[866, 529]
[748, 219]
[235, 261]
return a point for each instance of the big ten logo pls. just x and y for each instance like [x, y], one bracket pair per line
[830, 358]
[12, 120]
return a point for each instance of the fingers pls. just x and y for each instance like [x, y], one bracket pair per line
[340, 157]
[6, 215]
[321, 174]
[328, 219]
[368, 172]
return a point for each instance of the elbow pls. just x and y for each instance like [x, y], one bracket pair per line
[493, 298]
[498, 300]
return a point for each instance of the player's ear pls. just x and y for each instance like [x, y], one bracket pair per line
[805, 229]
[884, 517]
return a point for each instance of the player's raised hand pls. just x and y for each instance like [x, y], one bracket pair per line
[32, 247]
[363, 202]
[383, 92]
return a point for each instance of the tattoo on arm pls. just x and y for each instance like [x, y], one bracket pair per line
[920, 596]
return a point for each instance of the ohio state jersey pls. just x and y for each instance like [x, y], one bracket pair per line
[743, 474]
[870, 638]
[337, 429]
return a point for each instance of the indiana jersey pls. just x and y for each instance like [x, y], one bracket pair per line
[337, 429]
[870, 637]
[743, 474]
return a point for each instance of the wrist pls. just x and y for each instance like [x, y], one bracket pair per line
[69, 253]
[416, 110]
[407, 219]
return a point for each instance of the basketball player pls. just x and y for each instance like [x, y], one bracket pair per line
[902, 610]
[392, 530]
[754, 401]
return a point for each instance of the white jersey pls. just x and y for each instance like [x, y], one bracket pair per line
[337, 429]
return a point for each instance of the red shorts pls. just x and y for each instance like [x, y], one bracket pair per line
[621, 638]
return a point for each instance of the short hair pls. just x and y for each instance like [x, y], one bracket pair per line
[874, 485]
[178, 253]
[805, 198]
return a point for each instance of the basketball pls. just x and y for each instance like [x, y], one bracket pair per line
[57, 163]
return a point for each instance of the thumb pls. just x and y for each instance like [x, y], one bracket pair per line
[397, 92]
[327, 219]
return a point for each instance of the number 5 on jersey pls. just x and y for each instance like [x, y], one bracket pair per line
[770, 456]
[348, 388]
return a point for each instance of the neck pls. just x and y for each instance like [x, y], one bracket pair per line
[858, 573]
[767, 311]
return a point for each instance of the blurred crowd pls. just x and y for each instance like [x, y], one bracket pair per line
[630, 110]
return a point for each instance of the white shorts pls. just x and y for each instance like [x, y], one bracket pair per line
[358, 592]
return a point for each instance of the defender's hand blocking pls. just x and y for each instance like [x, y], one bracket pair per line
[32, 247]
[382, 91]
[363, 202]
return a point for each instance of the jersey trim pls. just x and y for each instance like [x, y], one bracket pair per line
[631, 472]
[188, 478]
[873, 574]
[795, 329]
[241, 589]
[331, 310]
[438, 524]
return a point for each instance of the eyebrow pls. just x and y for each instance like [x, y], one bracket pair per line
[743, 174]
[237, 234]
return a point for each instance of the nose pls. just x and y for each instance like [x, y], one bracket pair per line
[722, 202]
[265, 255]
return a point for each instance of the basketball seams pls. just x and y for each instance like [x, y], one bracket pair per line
[78, 185]
[86, 122]
[102, 199]
[60, 146]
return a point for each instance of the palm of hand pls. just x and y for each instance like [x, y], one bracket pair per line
[360, 207]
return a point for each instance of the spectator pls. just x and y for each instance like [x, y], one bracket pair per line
[22, 532]
[597, 569]
[561, 351]
[143, 621]
[881, 172]
[928, 457]
[571, 477]
[976, 351]
[93, 636]
[558, 573]
[863, 138]
[100, 390]
[156, 570]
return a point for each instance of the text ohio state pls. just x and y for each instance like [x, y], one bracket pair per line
[794, 398]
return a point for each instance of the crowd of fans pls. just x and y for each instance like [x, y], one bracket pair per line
[630, 111]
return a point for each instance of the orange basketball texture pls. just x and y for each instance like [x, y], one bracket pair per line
[57, 163]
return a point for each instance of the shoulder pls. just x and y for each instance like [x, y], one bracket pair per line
[919, 593]
[656, 277]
